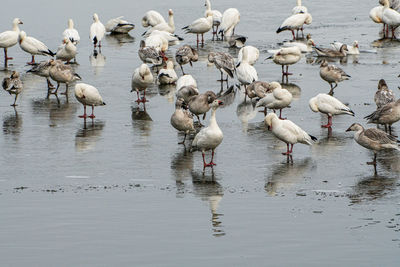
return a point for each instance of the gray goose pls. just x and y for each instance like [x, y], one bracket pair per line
[386, 115]
[13, 85]
[332, 75]
[200, 104]
[383, 95]
[186, 54]
[181, 119]
[328, 52]
[224, 63]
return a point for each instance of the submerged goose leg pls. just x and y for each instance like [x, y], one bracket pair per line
[287, 73]
[205, 165]
[84, 113]
[183, 142]
[329, 125]
[66, 90]
[374, 161]
[288, 152]
[92, 116]
[15, 100]
[49, 84]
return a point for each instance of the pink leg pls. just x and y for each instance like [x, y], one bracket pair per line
[5, 55]
[287, 151]
[92, 116]
[212, 159]
[280, 115]
[329, 125]
[202, 39]
[294, 37]
[84, 113]
[32, 61]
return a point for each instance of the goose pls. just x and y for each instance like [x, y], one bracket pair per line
[186, 54]
[330, 106]
[332, 75]
[230, 18]
[13, 85]
[168, 74]
[278, 98]
[210, 137]
[287, 56]
[187, 92]
[62, 74]
[373, 139]
[217, 16]
[390, 16]
[351, 49]
[237, 41]
[327, 52]
[141, 79]
[88, 95]
[149, 54]
[200, 26]
[172, 39]
[181, 119]
[119, 25]
[386, 115]
[163, 26]
[304, 47]
[298, 9]
[33, 46]
[383, 95]
[245, 72]
[288, 132]
[295, 22]
[252, 54]
[152, 18]
[200, 104]
[67, 51]
[186, 80]
[159, 43]
[43, 69]
[257, 89]
[10, 38]
[71, 33]
[97, 31]
[223, 62]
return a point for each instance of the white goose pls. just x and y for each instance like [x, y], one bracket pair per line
[141, 79]
[304, 47]
[71, 33]
[245, 72]
[200, 26]
[279, 98]
[168, 75]
[287, 56]
[10, 38]
[172, 39]
[351, 49]
[67, 51]
[163, 26]
[159, 43]
[295, 22]
[97, 31]
[230, 18]
[186, 80]
[299, 8]
[217, 16]
[119, 25]
[252, 54]
[88, 95]
[210, 137]
[152, 18]
[390, 16]
[33, 46]
[288, 132]
[330, 106]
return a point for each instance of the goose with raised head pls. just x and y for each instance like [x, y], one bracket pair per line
[10, 38]
[149, 54]
[295, 22]
[43, 69]
[13, 85]
[287, 56]
[332, 75]
[141, 79]
[200, 104]
[88, 95]
[119, 25]
[163, 26]
[33, 46]
[330, 106]
[328, 52]
[245, 72]
[181, 119]
[278, 98]
[252, 54]
[224, 63]
[217, 16]
[97, 31]
[71, 33]
[210, 137]
[386, 115]
[383, 95]
[288, 132]
[167, 75]
[200, 27]
[230, 18]
[152, 18]
[62, 74]
[186, 54]
[373, 139]
[299, 8]
[67, 51]
[351, 49]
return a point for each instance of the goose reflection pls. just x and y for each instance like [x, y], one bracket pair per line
[141, 121]
[87, 136]
[119, 39]
[181, 167]
[167, 91]
[12, 124]
[333, 60]
[294, 89]
[209, 190]
[98, 61]
[59, 110]
[287, 174]
[246, 111]
[333, 142]
[228, 96]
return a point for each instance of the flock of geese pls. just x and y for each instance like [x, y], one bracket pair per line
[160, 35]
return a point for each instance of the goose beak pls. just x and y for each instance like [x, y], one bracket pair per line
[270, 57]
[348, 130]
[220, 103]
[20, 22]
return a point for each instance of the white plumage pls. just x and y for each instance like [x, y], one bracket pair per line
[152, 18]
[88, 95]
[119, 25]
[245, 72]
[33, 46]
[295, 22]
[163, 26]
[351, 49]
[97, 30]
[10, 38]
[167, 75]
[186, 80]
[230, 18]
[67, 51]
[141, 79]
[299, 8]
[279, 98]
[71, 33]
[252, 54]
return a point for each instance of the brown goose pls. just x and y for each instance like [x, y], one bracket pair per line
[332, 75]
[181, 119]
[257, 89]
[13, 85]
[384, 95]
[62, 74]
[386, 115]
[186, 54]
[200, 104]
[327, 52]
[223, 62]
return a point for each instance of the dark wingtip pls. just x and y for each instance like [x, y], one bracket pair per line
[313, 138]
[104, 103]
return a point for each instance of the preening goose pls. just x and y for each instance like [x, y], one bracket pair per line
[149, 54]
[71, 33]
[67, 51]
[304, 47]
[88, 95]
[277, 98]
[181, 119]
[163, 26]
[287, 56]
[167, 75]
[200, 104]
[186, 54]
[97, 31]
[152, 18]
[141, 79]
[230, 18]
[252, 54]
[33, 46]
[13, 85]
[10, 38]
[119, 25]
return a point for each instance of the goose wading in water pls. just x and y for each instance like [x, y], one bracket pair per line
[230, 18]
[43, 69]
[210, 137]
[217, 17]
[288, 132]
[167, 75]
[152, 18]
[88, 95]
[286, 56]
[33, 47]
[332, 75]
[67, 51]
[383, 95]
[158, 42]
[277, 98]
[71, 33]
[97, 31]
[245, 72]
[62, 74]
[351, 49]
[373, 139]
[330, 106]
[119, 25]
[224, 63]
[13, 85]
[141, 79]
[386, 115]
[295, 22]
[390, 17]
[186, 54]
[327, 52]
[149, 54]
[182, 120]
[163, 26]
[200, 26]
[10, 38]
[200, 104]
[237, 41]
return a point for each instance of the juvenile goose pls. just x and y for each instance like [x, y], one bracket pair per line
[252, 54]
[200, 104]
[67, 51]
[373, 139]
[187, 92]
[119, 25]
[298, 9]
[230, 18]
[141, 79]
[152, 18]
[245, 72]
[33, 46]
[332, 75]
[383, 95]
[163, 26]
[10, 38]
[327, 52]
[295, 22]
[257, 89]
[210, 137]
[223, 62]
[71, 33]
[149, 54]
[351, 49]
[386, 115]
[330, 106]
[200, 26]
[97, 31]
[217, 16]
[167, 75]
[181, 119]
[279, 98]
[287, 56]
[237, 41]
[88, 95]
[43, 70]
[62, 74]
[13, 85]
[186, 54]
[288, 132]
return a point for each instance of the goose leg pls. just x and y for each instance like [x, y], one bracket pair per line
[374, 161]
[5, 55]
[66, 90]
[198, 119]
[15, 100]
[58, 86]
[197, 40]
[212, 159]
[32, 61]
[92, 116]
[143, 100]
[202, 39]
[280, 115]
[182, 69]
[183, 142]
[329, 125]
[84, 113]
[205, 165]
[49, 84]
[302, 32]
[288, 151]
[287, 73]
[294, 37]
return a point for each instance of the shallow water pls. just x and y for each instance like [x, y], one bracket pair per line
[121, 191]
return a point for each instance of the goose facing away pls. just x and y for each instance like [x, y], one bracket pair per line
[295, 22]
[230, 18]
[200, 26]
[386, 115]
[141, 79]
[168, 75]
[186, 54]
[245, 72]
[383, 95]
[181, 119]
[299, 8]
[13, 85]
[33, 46]
[152, 18]
[252, 54]
[88, 95]
[97, 31]
[62, 74]
[288, 132]
[119, 25]
[330, 106]
[224, 63]
[186, 80]
[200, 104]
[210, 137]
[332, 75]
[71, 33]
[373, 139]
[278, 98]
[10, 38]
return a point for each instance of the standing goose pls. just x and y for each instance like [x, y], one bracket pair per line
[200, 104]
[10, 38]
[163, 26]
[97, 31]
[88, 95]
[223, 62]
[327, 52]
[141, 79]
[186, 54]
[210, 137]
[217, 17]
[351, 49]
[43, 70]
[279, 98]
[71, 33]
[149, 54]
[373, 139]
[287, 56]
[252, 54]
[172, 39]
[159, 42]
[330, 106]
[257, 89]
[13, 85]
[386, 115]
[390, 16]
[67, 51]
[62, 74]
[245, 72]
[299, 9]
[295, 22]
[181, 119]
[376, 14]
[383, 95]
[119, 25]
[332, 75]
[168, 75]
[33, 46]
[304, 47]
[186, 80]
[230, 18]
[200, 26]
[152, 18]
[288, 132]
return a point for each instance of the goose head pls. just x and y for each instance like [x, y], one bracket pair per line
[308, 37]
[170, 13]
[211, 96]
[274, 85]
[95, 17]
[216, 104]
[269, 118]
[17, 21]
[355, 44]
[308, 19]
[211, 57]
[355, 127]
[324, 63]
[382, 84]
[70, 24]
[180, 103]
[21, 36]
[384, 3]
[15, 75]
[313, 104]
